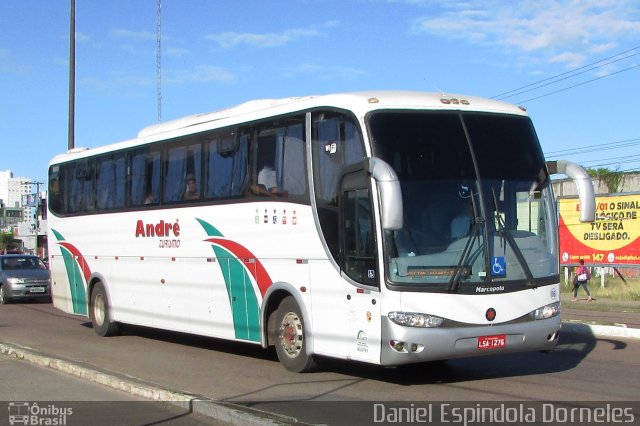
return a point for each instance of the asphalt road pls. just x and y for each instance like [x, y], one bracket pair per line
[582, 368]
[50, 395]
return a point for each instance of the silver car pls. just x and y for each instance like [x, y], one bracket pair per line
[23, 277]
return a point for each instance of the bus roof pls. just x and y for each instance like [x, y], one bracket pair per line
[358, 102]
[353, 101]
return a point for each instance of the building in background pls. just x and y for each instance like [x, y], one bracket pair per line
[23, 213]
[10, 217]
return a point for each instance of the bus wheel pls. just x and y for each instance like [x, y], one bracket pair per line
[100, 315]
[290, 335]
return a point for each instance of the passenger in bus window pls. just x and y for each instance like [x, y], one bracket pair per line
[267, 183]
[191, 192]
[267, 178]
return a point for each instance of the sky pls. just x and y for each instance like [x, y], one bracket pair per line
[574, 65]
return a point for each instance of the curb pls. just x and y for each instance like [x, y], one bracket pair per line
[601, 330]
[224, 412]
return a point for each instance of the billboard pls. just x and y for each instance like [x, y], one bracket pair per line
[29, 200]
[614, 237]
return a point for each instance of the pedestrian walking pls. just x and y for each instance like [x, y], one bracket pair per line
[581, 279]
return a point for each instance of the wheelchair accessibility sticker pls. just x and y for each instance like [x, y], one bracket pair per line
[498, 266]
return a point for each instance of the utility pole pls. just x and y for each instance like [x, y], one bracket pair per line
[158, 57]
[72, 75]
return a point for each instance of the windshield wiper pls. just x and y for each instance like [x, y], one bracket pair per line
[506, 235]
[463, 262]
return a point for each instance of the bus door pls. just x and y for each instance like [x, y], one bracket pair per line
[358, 264]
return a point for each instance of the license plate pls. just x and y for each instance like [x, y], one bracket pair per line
[492, 342]
[36, 290]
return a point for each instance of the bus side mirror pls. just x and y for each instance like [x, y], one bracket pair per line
[583, 184]
[390, 193]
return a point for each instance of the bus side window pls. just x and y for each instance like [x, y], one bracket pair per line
[279, 168]
[110, 182]
[144, 171]
[267, 178]
[182, 161]
[226, 169]
[81, 188]
[294, 180]
[55, 200]
[336, 143]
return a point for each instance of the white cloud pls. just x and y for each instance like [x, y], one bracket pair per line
[231, 39]
[133, 35]
[199, 74]
[82, 37]
[116, 82]
[175, 52]
[331, 24]
[573, 60]
[324, 72]
[605, 71]
[8, 65]
[599, 48]
[565, 30]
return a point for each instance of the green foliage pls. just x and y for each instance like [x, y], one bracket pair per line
[611, 178]
[7, 242]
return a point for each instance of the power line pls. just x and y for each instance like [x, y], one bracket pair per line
[606, 162]
[502, 95]
[621, 56]
[628, 159]
[557, 80]
[579, 84]
[601, 162]
[614, 162]
[591, 148]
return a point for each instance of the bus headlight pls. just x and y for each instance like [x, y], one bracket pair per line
[412, 319]
[548, 311]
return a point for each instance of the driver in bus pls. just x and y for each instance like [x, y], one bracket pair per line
[461, 224]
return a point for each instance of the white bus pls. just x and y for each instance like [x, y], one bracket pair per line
[384, 227]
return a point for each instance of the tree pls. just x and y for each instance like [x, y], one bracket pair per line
[7, 241]
[611, 178]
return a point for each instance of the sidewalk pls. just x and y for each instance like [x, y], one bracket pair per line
[604, 317]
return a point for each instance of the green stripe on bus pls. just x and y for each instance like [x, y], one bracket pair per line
[74, 277]
[242, 297]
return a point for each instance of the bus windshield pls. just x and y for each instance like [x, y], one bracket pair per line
[478, 209]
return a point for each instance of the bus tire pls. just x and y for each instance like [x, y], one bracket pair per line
[290, 338]
[100, 313]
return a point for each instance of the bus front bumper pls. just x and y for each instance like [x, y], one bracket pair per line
[408, 345]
